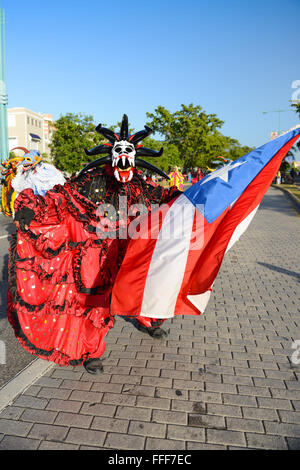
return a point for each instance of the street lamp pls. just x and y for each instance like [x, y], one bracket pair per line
[277, 111]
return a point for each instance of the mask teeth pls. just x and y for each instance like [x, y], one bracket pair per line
[130, 175]
[123, 160]
[131, 161]
[123, 178]
[117, 176]
[115, 161]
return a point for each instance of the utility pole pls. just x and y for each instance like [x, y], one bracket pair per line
[4, 152]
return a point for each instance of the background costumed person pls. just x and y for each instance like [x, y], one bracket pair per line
[198, 176]
[27, 172]
[176, 178]
[8, 172]
[68, 249]
[33, 173]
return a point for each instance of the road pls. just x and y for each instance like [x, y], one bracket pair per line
[15, 356]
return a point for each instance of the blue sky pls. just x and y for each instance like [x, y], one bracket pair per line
[235, 58]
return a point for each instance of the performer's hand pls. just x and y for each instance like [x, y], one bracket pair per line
[23, 218]
[17, 223]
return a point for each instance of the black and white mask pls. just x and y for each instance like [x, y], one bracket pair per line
[123, 160]
[123, 152]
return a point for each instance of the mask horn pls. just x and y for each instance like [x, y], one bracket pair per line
[149, 166]
[144, 152]
[135, 138]
[98, 150]
[95, 164]
[124, 128]
[107, 133]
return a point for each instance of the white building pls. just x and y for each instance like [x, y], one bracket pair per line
[29, 129]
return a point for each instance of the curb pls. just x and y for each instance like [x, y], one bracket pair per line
[15, 386]
[291, 195]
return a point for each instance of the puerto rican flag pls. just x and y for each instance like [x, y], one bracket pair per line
[170, 267]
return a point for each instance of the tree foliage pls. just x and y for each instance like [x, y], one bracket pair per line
[73, 133]
[190, 138]
[191, 130]
[195, 134]
[296, 107]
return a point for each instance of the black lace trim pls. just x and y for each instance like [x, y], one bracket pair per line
[14, 316]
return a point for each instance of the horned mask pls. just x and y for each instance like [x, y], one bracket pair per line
[124, 152]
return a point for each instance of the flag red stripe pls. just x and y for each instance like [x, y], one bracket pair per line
[128, 291]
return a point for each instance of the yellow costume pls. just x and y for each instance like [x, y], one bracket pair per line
[176, 179]
[9, 171]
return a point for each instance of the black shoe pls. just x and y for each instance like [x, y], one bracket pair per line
[93, 366]
[156, 333]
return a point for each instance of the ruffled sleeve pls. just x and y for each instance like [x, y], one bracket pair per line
[45, 210]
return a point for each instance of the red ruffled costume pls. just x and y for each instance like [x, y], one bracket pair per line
[61, 273]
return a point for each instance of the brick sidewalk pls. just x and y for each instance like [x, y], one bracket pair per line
[223, 380]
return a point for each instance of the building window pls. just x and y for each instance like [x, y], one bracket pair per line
[28, 120]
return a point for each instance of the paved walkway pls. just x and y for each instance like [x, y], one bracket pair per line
[224, 380]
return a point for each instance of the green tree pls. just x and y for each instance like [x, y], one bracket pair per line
[234, 150]
[196, 136]
[193, 131]
[72, 134]
[293, 150]
[296, 107]
[168, 159]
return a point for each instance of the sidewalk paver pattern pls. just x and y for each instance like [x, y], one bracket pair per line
[223, 380]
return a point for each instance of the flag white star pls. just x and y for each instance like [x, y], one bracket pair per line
[222, 173]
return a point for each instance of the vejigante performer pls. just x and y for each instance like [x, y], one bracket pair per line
[69, 247]
[176, 178]
[8, 173]
[27, 172]
[33, 173]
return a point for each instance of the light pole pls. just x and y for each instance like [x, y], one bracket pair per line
[277, 111]
[3, 95]
[4, 152]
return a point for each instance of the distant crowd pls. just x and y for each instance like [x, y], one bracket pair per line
[287, 177]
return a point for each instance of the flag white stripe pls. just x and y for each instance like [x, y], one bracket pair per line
[241, 228]
[200, 301]
[168, 261]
